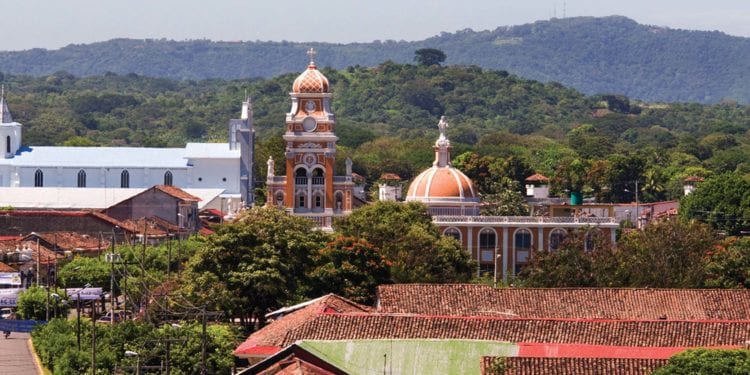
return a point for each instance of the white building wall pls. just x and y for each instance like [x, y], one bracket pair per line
[101, 177]
[216, 173]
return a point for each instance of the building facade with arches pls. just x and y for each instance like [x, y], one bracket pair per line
[309, 186]
[501, 245]
[228, 166]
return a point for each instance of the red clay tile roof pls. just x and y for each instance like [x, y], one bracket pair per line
[694, 179]
[358, 326]
[526, 349]
[390, 176]
[74, 240]
[177, 193]
[537, 177]
[575, 366]
[294, 366]
[595, 303]
[273, 335]
[6, 268]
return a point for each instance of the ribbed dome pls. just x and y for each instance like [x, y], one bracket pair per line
[310, 81]
[441, 183]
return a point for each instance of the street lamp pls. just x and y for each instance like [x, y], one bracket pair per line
[130, 353]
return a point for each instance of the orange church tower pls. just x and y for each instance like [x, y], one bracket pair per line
[310, 187]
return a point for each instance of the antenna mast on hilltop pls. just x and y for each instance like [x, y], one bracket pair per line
[565, 6]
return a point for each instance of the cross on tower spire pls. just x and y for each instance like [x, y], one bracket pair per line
[311, 52]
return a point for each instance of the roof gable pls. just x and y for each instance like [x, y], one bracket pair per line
[272, 337]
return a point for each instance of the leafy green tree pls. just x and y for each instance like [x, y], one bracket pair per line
[351, 268]
[665, 254]
[255, 264]
[707, 362]
[721, 201]
[406, 237]
[728, 265]
[505, 200]
[584, 259]
[85, 270]
[32, 303]
[429, 56]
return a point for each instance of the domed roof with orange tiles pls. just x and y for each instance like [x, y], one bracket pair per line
[311, 81]
[445, 182]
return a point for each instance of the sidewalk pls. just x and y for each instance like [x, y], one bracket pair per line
[16, 357]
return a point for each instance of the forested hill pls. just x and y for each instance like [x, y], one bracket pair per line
[594, 55]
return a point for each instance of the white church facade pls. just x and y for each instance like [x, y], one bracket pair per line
[227, 166]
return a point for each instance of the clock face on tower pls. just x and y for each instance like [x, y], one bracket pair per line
[309, 124]
[309, 106]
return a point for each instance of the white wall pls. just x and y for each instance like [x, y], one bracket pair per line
[211, 173]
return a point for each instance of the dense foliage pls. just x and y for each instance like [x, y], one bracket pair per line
[722, 201]
[55, 344]
[707, 362]
[501, 126]
[594, 55]
[405, 236]
[669, 254]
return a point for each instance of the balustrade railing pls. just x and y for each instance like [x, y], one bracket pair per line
[522, 219]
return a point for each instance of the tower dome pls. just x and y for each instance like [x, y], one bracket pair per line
[446, 190]
[311, 80]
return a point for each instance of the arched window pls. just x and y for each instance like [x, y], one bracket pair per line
[318, 177]
[556, 238]
[301, 201]
[300, 176]
[487, 248]
[38, 178]
[81, 178]
[125, 179]
[522, 248]
[7, 144]
[339, 199]
[279, 198]
[167, 178]
[318, 201]
[453, 232]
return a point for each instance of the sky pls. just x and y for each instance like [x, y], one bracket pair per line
[53, 24]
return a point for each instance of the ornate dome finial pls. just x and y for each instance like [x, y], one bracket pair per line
[311, 52]
[311, 80]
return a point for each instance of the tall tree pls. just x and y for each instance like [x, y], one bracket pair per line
[429, 56]
[351, 268]
[407, 238]
[666, 254]
[257, 263]
[722, 201]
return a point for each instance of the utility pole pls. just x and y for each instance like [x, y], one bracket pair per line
[38, 257]
[93, 341]
[47, 306]
[143, 262]
[169, 255]
[112, 280]
[78, 319]
[637, 214]
[203, 342]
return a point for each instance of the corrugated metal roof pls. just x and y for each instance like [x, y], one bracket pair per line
[79, 198]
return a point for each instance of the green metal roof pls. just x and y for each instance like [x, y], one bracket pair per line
[408, 356]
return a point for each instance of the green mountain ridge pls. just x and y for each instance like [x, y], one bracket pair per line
[594, 55]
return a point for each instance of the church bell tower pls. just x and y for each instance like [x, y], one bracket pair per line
[310, 187]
